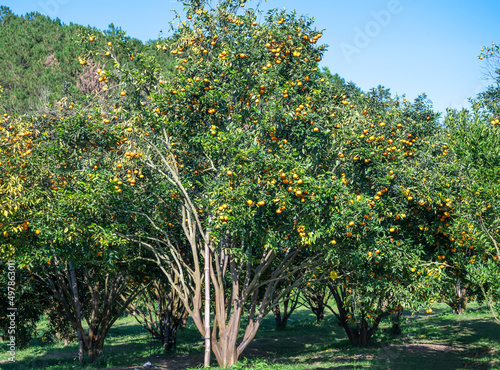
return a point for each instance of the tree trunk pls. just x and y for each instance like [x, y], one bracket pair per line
[460, 303]
[184, 320]
[316, 299]
[94, 354]
[208, 262]
[228, 356]
[320, 314]
[169, 336]
[360, 333]
[225, 349]
[277, 318]
[319, 311]
[102, 310]
[396, 322]
[289, 305]
[79, 329]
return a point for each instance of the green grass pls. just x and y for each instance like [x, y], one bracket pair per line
[438, 341]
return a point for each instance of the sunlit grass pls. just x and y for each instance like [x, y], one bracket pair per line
[441, 340]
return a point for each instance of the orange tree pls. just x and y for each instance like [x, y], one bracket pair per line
[474, 229]
[29, 304]
[230, 147]
[372, 215]
[489, 99]
[464, 219]
[15, 145]
[60, 208]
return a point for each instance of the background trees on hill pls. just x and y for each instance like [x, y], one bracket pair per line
[40, 61]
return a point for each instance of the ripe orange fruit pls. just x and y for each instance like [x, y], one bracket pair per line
[37, 232]
[249, 202]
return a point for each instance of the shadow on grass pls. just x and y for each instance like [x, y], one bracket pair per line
[432, 342]
[426, 343]
[126, 345]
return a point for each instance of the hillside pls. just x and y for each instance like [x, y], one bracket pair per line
[39, 60]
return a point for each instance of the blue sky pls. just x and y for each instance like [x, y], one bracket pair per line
[409, 46]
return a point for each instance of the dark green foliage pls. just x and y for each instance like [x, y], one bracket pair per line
[39, 60]
[29, 303]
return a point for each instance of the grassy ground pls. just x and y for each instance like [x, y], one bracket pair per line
[438, 341]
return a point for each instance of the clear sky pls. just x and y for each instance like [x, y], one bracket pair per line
[409, 46]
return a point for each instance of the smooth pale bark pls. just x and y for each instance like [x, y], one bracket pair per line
[207, 302]
[246, 285]
[460, 303]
